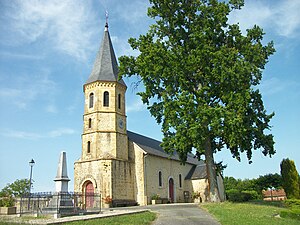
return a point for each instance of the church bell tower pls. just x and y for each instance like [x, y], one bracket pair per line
[104, 130]
[104, 153]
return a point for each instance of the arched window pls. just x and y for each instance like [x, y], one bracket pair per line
[88, 147]
[119, 101]
[159, 179]
[90, 123]
[106, 99]
[91, 100]
[180, 181]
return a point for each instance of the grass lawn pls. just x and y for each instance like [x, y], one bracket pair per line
[133, 219]
[247, 213]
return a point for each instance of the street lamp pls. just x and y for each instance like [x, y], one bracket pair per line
[31, 164]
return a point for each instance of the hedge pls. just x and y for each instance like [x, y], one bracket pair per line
[235, 195]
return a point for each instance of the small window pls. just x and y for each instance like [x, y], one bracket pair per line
[159, 179]
[119, 101]
[91, 102]
[88, 147]
[106, 99]
[90, 123]
[180, 182]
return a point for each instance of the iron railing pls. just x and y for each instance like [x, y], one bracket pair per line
[63, 203]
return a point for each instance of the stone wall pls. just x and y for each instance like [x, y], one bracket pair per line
[200, 186]
[137, 155]
[98, 172]
[170, 169]
[122, 180]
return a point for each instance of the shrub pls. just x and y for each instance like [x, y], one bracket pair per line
[7, 202]
[293, 214]
[155, 197]
[235, 195]
[292, 203]
[249, 195]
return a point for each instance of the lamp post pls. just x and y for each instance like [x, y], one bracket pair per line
[31, 164]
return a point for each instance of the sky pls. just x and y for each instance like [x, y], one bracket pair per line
[47, 50]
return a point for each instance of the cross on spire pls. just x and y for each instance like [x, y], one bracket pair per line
[106, 19]
[105, 66]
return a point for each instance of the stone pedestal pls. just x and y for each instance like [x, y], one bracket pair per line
[8, 210]
[61, 201]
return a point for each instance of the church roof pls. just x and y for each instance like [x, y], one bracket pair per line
[105, 65]
[152, 147]
[197, 172]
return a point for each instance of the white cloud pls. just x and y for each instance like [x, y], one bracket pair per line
[20, 56]
[27, 88]
[66, 25]
[282, 17]
[21, 135]
[288, 18]
[274, 86]
[51, 108]
[133, 13]
[252, 13]
[60, 132]
[136, 106]
[35, 136]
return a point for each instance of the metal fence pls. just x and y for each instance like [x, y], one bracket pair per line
[63, 203]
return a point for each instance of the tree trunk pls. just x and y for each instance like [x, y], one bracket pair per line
[211, 173]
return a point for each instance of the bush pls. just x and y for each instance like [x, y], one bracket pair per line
[292, 203]
[249, 195]
[293, 214]
[235, 195]
[7, 202]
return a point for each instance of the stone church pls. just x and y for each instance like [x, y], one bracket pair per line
[124, 165]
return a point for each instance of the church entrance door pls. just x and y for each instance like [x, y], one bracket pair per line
[89, 195]
[171, 189]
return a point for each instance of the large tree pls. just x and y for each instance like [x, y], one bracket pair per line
[290, 178]
[200, 75]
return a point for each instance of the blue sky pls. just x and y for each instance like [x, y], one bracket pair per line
[47, 50]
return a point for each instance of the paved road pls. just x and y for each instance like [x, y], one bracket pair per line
[168, 214]
[182, 214]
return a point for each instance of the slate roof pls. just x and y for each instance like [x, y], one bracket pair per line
[105, 65]
[197, 172]
[152, 147]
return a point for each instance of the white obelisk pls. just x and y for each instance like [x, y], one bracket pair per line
[62, 179]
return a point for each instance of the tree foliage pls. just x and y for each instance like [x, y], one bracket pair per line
[290, 178]
[269, 181]
[200, 74]
[239, 184]
[239, 190]
[258, 184]
[16, 189]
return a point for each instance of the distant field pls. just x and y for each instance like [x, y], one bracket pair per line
[247, 214]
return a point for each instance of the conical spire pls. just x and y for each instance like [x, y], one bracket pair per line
[105, 66]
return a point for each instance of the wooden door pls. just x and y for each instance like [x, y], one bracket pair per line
[89, 195]
[171, 189]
